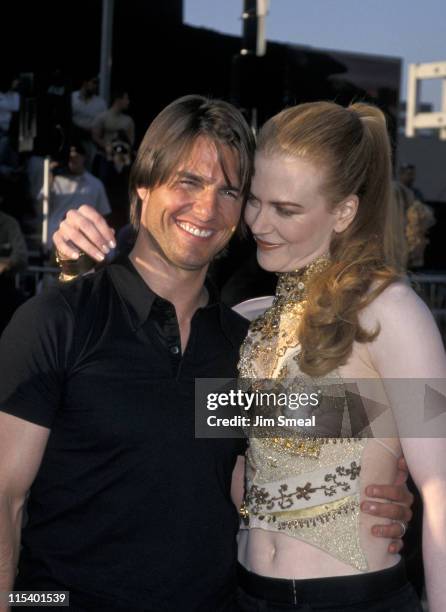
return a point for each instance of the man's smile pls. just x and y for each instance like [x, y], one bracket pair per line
[188, 227]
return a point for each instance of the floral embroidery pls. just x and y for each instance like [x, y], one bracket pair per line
[258, 498]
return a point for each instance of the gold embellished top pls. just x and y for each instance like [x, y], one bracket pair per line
[303, 486]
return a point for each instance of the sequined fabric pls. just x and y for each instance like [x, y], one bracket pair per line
[307, 488]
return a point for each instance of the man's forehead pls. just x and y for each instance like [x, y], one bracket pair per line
[208, 158]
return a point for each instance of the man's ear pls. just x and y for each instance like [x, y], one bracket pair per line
[346, 212]
[142, 192]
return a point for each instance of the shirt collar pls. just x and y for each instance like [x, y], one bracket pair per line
[138, 298]
[134, 292]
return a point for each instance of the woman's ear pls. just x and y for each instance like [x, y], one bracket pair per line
[345, 213]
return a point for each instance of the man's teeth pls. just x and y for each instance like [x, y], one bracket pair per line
[195, 231]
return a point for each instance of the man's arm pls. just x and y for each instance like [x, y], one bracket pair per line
[22, 445]
[34, 361]
[396, 506]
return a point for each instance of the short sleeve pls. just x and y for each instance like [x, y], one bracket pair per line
[34, 352]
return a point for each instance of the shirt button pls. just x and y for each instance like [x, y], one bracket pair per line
[174, 350]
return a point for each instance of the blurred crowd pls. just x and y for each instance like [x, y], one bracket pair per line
[90, 147]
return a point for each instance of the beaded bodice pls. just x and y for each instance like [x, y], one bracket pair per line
[305, 487]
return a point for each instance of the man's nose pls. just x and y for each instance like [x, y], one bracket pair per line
[206, 203]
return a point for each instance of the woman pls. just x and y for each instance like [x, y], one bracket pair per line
[318, 209]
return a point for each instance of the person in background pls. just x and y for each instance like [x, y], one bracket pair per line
[13, 258]
[71, 187]
[114, 135]
[114, 123]
[407, 177]
[86, 107]
[9, 104]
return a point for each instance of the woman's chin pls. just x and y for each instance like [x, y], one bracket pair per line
[267, 263]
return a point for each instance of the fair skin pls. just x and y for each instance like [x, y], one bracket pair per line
[293, 223]
[173, 260]
[288, 213]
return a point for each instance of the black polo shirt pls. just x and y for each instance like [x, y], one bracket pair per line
[128, 509]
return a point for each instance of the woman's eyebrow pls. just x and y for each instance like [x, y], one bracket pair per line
[286, 203]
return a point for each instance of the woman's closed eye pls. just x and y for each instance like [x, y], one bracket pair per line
[286, 212]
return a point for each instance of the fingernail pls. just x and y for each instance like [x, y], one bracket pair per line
[368, 507]
[100, 256]
[374, 492]
[74, 255]
[112, 244]
[377, 531]
[105, 249]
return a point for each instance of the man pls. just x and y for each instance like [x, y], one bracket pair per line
[114, 135]
[114, 124]
[407, 177]
[128, 510]
[72, 187]
[86, 106]
[13, 258]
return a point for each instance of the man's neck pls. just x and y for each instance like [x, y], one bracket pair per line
[183, 288]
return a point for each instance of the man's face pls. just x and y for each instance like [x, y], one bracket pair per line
[91, 87]
[76, 162]
[124, 102]
[407, 176]
[191, 218]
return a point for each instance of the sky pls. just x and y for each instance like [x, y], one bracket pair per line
[414, 30]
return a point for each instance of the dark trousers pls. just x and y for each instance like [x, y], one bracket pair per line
[384, 591]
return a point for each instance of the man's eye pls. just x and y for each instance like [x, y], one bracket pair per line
[230, 194]
[187, 182]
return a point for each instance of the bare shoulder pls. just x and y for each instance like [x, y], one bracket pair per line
[397, 305]
[408, 342]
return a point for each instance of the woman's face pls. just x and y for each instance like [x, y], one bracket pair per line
[288, 213]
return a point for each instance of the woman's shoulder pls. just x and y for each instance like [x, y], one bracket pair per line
[397, 303]
[408, 342]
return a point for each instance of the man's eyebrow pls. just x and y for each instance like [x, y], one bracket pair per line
[192, 176]
[201, 179]
[230, 187]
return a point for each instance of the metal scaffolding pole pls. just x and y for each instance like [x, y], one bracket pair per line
[106, 48]
[253, 40]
